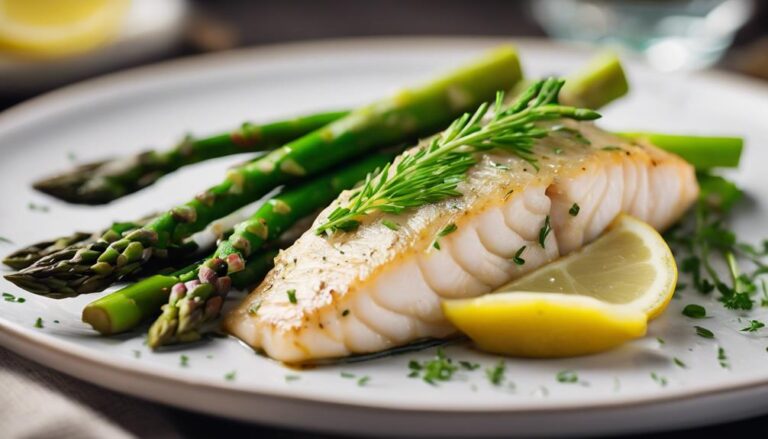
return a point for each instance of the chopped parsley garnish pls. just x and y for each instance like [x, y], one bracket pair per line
[679, 363]
[722, 358]
[391, 225]
[136, 353]
[440, 368]
[254, 309]
[468, 365]
[447, 230]
[347, 374]
[754, 326]
[363, 380]
[5, 240]
[567, 377]
[289, 378]
[558, 151]
[544, 231]
[660, 340]
[37, 207]
[292, 296]
[184, 360]
[704, 332]
[611, 148]
[230, 376]
[574, 210]
[572, 133]
[694, 311]
[8, 297]
[705, 243]
[39, 322]
[517, 258]
[496, 373]
[660, 380]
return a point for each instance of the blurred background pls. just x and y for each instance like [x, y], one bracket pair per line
[48, 43]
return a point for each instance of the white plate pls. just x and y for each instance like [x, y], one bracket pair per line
[152, 106]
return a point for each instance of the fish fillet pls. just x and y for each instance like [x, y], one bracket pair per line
[378, 288]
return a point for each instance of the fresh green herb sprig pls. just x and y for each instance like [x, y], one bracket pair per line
[433, 172]
[703, 242]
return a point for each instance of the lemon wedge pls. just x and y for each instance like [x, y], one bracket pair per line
[590, 301]
[54, 28]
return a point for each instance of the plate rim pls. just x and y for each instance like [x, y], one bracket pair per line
[20, 114]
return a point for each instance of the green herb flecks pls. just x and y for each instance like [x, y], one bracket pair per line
[694, 311]
[574, 210]
[571, 133]
[38, 207]
[8, 297]
[230, 376]
[496, 373]
[440, 368]
[391, 225]
[660, 380]
[518, 257]
[184, 361]
[704, 332]
[433, 172]
[722, 358]
[447, 230]
[468, 365]
[679, 363]
[39, 323]
[567, 377]
[289, 378]
[544, 232]
[754, 326]
[291, 296]
[5, 240]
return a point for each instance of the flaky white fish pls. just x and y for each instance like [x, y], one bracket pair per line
[378, 288]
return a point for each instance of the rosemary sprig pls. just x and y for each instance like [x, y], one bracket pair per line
[433, 172]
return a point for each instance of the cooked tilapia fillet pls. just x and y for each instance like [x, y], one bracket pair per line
[377, 288]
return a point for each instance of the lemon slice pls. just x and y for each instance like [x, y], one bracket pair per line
[52, 28]
[589, 301]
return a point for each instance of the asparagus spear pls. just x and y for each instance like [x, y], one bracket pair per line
[599, 83]
[406, 115]
[30, 254]
[232, 262]
[125, 309]
[199, 299]
[703, 152]
[604, 69]
[105, 181]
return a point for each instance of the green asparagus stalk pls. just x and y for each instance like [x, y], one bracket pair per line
[232, 261]
[105, 181]
[127, 308]
[404, 116]
[154, 291]
[30, 254]
[199, 295]
[703, 152]
[602, 81]
[605, 69]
